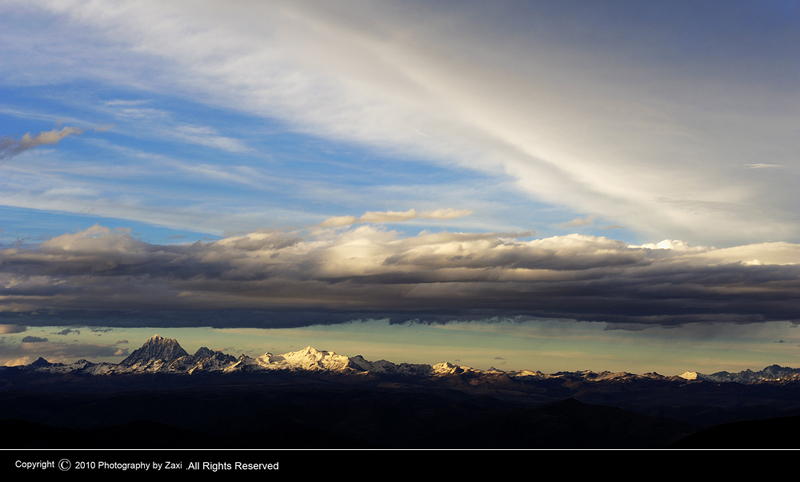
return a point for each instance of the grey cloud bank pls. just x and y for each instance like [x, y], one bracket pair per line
[281, 278]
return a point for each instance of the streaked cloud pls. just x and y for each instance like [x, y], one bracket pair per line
[580, 221]
[395, 217]
[208, 136]
[765, 166]
[10, 147]
[631, 126]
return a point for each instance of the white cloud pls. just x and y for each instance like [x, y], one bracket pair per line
[764, 166]
[207, 136]
[776, 253]
[588, 220]
[674, 245]
[395, 217]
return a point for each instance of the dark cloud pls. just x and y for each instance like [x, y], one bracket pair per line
[68, 331]
[11, 328]
[97, 331]
[104, 277]
[33, 339]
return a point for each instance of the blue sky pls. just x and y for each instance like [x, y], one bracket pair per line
[625, 169]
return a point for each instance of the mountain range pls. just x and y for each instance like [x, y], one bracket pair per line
[165, 355]
[163, 397]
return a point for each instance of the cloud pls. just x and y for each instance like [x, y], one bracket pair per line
[395, 217]
[104, 128]
[207, 136]
[160, 123]
[578, 118]
[278, 278]
[12, 353]
[764, 166]
[580, 221]
[8, 328]
[10, 147]
[68, 331]
[671, 245]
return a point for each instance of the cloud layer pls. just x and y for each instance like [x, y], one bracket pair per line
[275, 278]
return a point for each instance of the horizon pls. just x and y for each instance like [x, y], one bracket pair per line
[552, 187]
[354, 343]
[309, 347]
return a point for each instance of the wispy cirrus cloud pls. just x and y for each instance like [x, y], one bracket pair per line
[583, 120]
[588, 220]
[395, 216]
[161, 123]
[208, 136]
[765, 166]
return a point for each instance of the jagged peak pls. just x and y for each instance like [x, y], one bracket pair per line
[157, 348]
[158, 339]
[40, 362]
[204, 351]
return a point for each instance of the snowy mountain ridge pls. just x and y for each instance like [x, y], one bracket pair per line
[164, 355]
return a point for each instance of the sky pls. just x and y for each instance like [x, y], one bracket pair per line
[541, 185]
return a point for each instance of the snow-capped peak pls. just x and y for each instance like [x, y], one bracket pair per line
[156, 350]
[309, 358]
